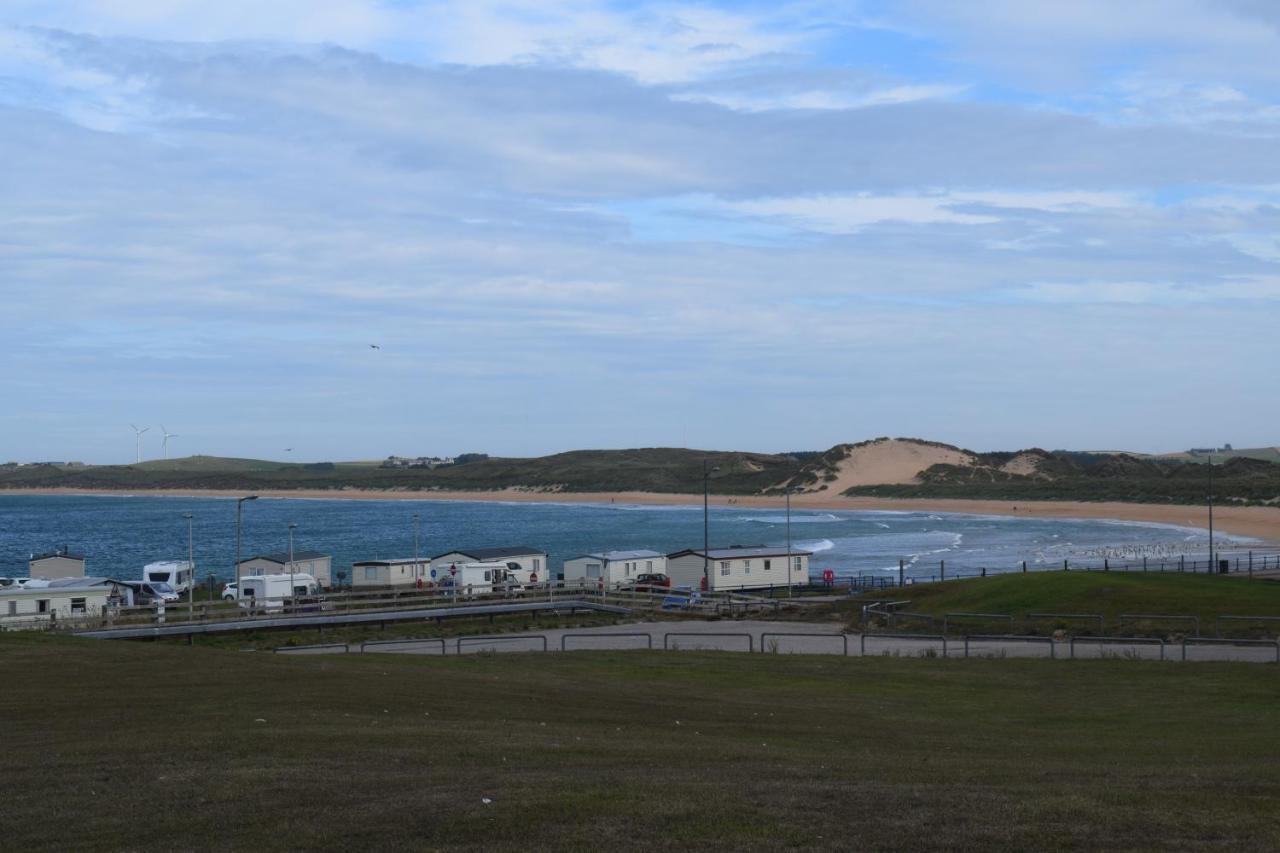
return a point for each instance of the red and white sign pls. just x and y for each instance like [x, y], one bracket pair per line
[453, 570]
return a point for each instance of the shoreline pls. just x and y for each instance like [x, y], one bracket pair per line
[1259, 522]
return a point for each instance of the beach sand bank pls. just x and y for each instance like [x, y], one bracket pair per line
[1255, 521]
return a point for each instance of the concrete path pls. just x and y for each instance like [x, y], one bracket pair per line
[802, 638]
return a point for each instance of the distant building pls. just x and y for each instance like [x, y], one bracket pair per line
[614, 567]
[416, 461]
[313, 563]
[740, 567]
[375, 574]
[56, 564]
[532, 562]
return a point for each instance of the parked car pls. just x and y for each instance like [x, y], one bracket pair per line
[652, 583]
[6, 582]
[230, 591]
[149, 592]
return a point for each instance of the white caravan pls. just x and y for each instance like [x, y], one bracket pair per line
[482, 579]
[268, 592]
[178, 574]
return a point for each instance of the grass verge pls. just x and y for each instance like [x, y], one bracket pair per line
[111, 746]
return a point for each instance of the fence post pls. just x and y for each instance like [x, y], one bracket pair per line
[1182, 562]
[984, 571]
[1106, 564]
[1144, 564]
[1024, 567]
[901, 568]
[1250, 564]
[942, 570]
[1064, 565]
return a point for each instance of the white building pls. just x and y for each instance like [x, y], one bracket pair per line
[312, 563]
[381, 574]
[56, 564]
[739, 567]
[614, 566]
[45, 607]
[532, 562]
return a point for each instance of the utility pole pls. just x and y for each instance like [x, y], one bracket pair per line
[293, 592]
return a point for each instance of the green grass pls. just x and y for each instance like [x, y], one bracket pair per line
[111, 746]
[1108, 593]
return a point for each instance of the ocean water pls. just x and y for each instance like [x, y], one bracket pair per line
[120, 534]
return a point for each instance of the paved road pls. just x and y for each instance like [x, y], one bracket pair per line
[781, 638]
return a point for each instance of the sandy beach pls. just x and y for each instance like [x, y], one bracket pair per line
[1255, 521]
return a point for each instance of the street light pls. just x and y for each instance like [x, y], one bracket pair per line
[417, 569]
[707, 471]
[191, 568]
[790, 492]
[1212, 565]
[292, 589]
[239, 505]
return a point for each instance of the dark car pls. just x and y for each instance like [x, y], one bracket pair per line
[652, 583]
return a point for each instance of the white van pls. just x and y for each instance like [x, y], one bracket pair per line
[268, 592]
[176, 573]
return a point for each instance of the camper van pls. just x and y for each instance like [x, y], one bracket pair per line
[472, 579]
[176, 573]
[268, 592]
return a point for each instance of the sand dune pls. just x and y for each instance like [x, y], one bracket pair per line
[891, 461]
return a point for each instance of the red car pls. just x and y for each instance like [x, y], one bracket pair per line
[652, 583]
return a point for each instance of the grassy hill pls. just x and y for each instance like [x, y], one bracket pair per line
[1024, 475]
[629, 751]
[666, 470]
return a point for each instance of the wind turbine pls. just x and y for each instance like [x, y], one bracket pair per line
[140, 432]
[164, 443]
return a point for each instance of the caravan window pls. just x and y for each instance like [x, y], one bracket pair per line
[486, 575]
[13, 608]
[163, 577]
[78, 605]
[370, 573]
[42, 606]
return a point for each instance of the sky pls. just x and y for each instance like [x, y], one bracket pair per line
[755, 226]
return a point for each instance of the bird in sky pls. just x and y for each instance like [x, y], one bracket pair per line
[374, 346]
[288, 450]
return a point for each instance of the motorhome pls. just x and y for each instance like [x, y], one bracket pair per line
[268, 592]
[469, 579]
[178, 574]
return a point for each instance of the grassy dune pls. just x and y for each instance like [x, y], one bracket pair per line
[113, 746]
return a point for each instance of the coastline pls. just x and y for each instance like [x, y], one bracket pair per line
[1259, 522]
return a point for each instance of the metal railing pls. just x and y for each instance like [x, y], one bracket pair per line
[844, 638]
[564, 638]
[1010, 638]
[499, 638]
[666, 637]
[1127, 641]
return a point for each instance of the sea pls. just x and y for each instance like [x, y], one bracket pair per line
[119, 534]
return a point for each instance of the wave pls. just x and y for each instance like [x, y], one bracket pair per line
[825, 518]
[816, 547]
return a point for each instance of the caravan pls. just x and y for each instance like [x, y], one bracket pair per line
[178, 574]
[268, 592]
[471, 579]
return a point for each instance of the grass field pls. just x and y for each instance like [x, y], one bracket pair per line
[1107, 593]
[110, 746]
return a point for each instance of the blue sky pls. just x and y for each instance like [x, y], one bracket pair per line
[764, 226]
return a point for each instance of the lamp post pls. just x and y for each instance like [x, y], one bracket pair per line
[1212, 565]
[191, 568]
[707, 471]
[292, 589]
[239, 506]
[417, 569]
[790, 586]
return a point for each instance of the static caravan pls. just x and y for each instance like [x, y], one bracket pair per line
[313, 563]
[45, 607]
[383, 574]
[178, 574]
[739, 567]
[615, 567]
[56, 564]
[531, 564]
